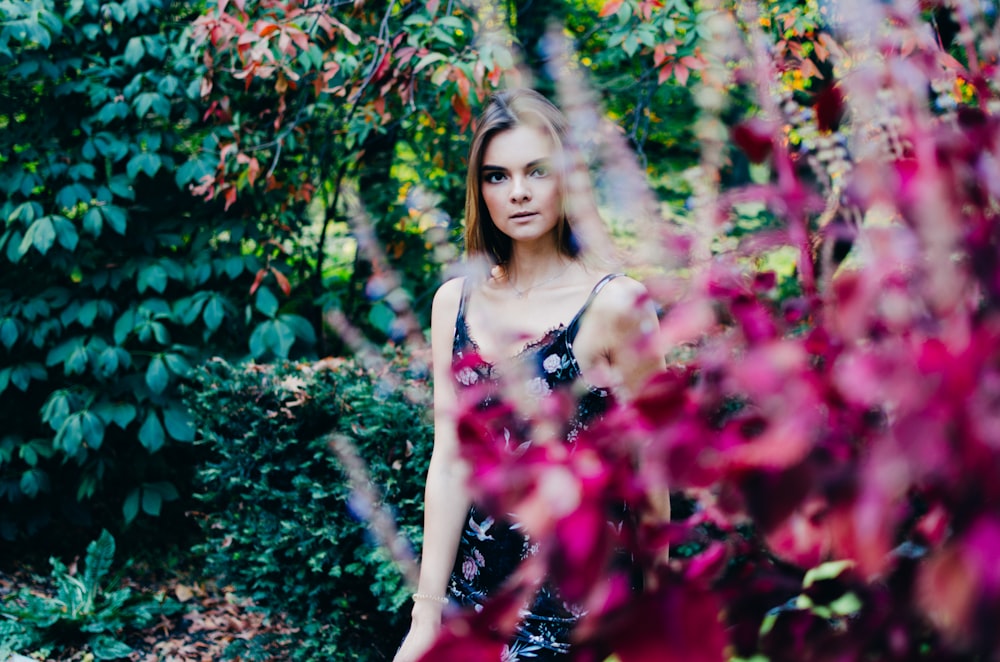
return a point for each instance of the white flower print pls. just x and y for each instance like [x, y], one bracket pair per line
[538, 388]
[469, 568]
[552, 363]
[467, 376]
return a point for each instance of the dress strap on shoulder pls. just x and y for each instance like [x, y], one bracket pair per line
[572, 328]
[463, 299]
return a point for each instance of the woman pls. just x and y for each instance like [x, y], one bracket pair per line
[543, 314]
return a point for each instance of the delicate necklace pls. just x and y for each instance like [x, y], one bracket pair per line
[520, 294]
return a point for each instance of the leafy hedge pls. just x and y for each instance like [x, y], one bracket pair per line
[114, 279]
[282, 523]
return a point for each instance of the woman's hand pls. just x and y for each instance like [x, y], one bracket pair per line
[418, 640]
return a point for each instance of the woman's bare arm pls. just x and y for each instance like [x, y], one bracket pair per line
[446, 500]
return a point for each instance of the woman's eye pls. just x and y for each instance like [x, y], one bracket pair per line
[493, 177]
[541, 171]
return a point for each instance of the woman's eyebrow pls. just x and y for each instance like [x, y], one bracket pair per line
[527, 166]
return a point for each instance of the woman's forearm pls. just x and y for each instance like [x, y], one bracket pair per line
[446, 504]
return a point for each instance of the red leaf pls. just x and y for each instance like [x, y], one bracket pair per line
[754, 138]
[264, 29]
[610, 7]
[461, 108]
[283, 283]
[681, 73]
[664, 74]
[257, 280]
[829, 108]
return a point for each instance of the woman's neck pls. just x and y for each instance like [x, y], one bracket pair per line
[526, 271]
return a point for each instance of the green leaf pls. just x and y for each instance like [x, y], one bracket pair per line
[93, 221]
[56, 409]
[69, 195]
[179, 423]
[119, 413]
[285, 338]
[100, 554]
[215, 312]
[108, 145]
[41, 234]
[115, 217]
[121, 186]
[152, 500]
[130, 508]
[66, 232]
[92, 429]
[157, 376]
[61, 352]
[152, 276]
[70, 436]
[146, 162]
[381, 317]
[9, 332]
[258, 342]
[166, 490]
[105, 647]
[301, 326]
[177, 364]
[124, 326]
[33, 481]
[134, 51]
[266, 302]
[151, 433]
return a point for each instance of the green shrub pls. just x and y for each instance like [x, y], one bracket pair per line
[84, 610]
[283, 525]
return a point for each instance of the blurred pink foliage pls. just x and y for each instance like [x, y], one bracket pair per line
[856, 421]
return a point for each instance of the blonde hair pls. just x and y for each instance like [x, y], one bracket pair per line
[506, 110]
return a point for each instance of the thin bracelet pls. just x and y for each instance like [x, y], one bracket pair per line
[433, 598]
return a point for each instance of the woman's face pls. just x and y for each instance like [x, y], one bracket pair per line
[520, 185]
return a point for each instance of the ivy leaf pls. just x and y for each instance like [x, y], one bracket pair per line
[41, 234]
[130, 508]
[115, 217]
[92, 429]
[152, 500]
[151, 433]
[9, 331]
[146, 162]
[214, 312]
[157, 376]
[119, 413]
[266, 302]
[152, 276]
[33, 481]
[258, 339]
[177, 364]
[134, 51]
[179, 423]
[70, 435]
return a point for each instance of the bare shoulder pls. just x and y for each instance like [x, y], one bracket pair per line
[447, 297]
[622, 297]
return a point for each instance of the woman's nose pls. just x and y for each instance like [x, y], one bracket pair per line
[520, 191]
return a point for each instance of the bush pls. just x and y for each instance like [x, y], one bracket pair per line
[282, 522]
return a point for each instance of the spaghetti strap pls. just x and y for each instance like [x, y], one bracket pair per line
[572, 327]
[461, 302]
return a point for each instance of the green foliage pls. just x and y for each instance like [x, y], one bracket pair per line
[83, 609]
[283, 525]
[114, 279]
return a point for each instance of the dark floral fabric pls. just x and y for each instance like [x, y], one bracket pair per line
[490, 548]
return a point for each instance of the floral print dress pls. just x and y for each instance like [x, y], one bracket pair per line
[490, 549]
